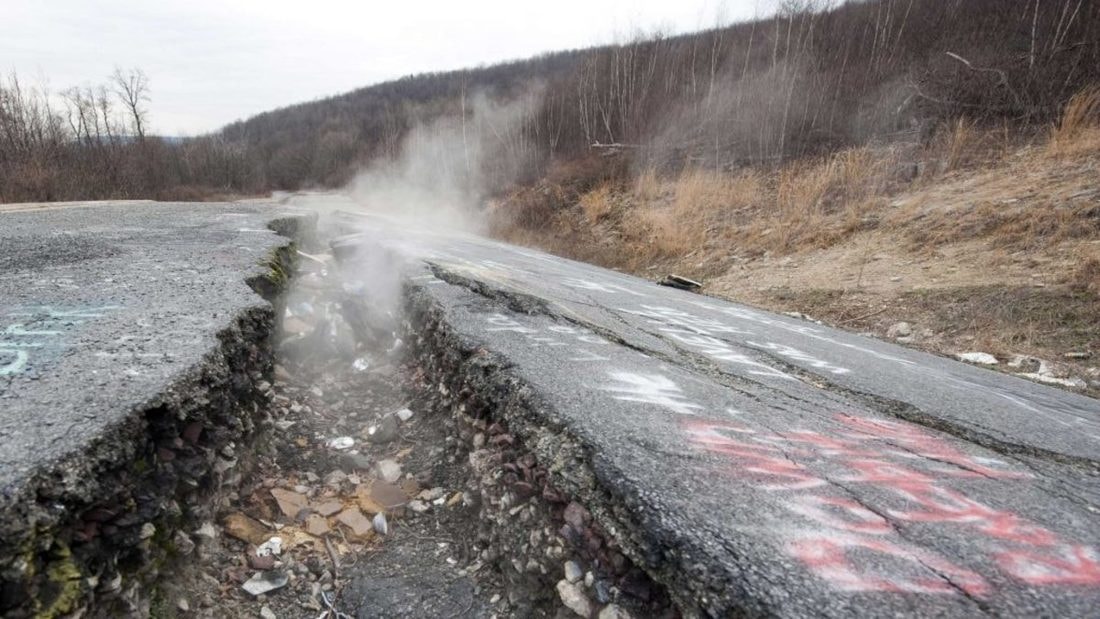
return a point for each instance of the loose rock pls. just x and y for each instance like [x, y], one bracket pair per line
[900, 329]
[573, 571]
[388, 470]
[614, 611]
[573, 597]
[246, 529]
[982, 358]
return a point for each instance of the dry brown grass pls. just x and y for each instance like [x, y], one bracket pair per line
[598, 203]
[1086, 279]
[1079, 130]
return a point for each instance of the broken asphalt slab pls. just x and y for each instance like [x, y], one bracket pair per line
[754, 463]
[134, 342]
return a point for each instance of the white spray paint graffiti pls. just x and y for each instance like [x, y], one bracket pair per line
[606, 288]
[651, 389]
[798, 355]
[38, 328]
[535, 338]
[698, 333]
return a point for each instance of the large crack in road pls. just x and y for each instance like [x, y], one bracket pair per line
[448, 426]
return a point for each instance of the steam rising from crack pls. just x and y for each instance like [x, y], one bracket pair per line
[445, 169]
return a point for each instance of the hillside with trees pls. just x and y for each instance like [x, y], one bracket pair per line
[816, 77]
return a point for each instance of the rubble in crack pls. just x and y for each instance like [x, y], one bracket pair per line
[349, 446]
[379, 494]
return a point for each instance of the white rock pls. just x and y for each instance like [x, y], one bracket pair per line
[418, 506]
[341, 442]
[613, 611]
[982, 358]
[1073, 382]
[148, 530]
[267, 613]
[573, 597]
[388, 470]
[404, 414]
[207, 530]
[183, 605]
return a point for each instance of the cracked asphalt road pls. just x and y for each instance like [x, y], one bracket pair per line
[764, 464]
[103, 307]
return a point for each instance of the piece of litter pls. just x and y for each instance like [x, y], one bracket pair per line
[273, 546]
[360, 365]
[677, 281]
[341, 442]
[380, 524]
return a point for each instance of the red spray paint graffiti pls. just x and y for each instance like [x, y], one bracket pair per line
[886, 455]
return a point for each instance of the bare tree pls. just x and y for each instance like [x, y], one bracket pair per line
[132, 89]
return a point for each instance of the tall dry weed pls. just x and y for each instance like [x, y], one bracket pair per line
[1079, 129]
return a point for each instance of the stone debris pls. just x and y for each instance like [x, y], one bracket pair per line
[981, 358]
[900, 330]
[317, 525]
[613, 611]
[573, 571]
[246, 529]
[404, 415]
[356, 522]
[265, 582]
[341, 442]
[573, 597]
[290, 502]
[267, 613]
[207, 531]
[385, 495]
[329, 508]
[388, 470]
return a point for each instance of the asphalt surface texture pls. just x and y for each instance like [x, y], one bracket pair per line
[103, 306]
[770, 465]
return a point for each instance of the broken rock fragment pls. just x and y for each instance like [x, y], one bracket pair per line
[573, 597]
[317, 525]
[388, 470]
[246, 529]
[356, 522]
[290, 502]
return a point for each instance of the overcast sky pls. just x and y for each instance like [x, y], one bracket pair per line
[210, 62]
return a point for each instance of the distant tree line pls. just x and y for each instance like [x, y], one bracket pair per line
[91, 143]
[816, 76]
